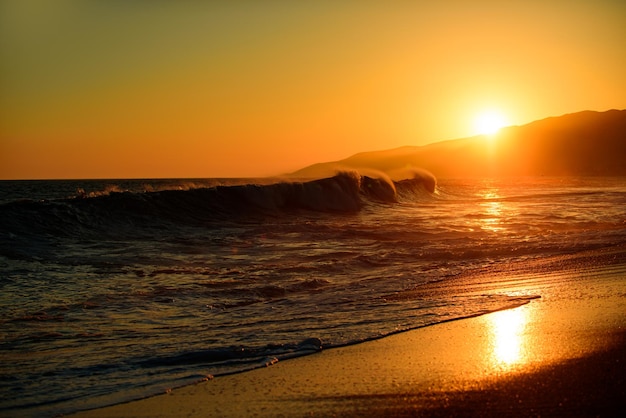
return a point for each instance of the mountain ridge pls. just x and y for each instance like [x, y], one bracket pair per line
[581, 143]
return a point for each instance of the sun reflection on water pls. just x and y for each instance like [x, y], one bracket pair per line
[492, 210]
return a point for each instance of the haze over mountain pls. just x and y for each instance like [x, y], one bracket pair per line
[583, 143]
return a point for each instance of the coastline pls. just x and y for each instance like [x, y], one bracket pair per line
[563, 354]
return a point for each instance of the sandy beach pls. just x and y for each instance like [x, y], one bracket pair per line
[563, 354]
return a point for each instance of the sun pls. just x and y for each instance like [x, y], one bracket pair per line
[489, 122]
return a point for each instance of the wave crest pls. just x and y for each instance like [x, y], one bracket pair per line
[125, 212]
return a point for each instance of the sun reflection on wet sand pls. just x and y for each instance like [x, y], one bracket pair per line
[507, 333]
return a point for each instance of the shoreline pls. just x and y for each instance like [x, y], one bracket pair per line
[563, 354]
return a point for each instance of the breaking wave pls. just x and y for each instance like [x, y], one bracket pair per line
[347, 192]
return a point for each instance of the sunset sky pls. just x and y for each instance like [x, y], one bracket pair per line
[138, 88]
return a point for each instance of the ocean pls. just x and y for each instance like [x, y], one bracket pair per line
[113, 290]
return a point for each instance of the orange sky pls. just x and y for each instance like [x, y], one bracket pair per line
[93, 89]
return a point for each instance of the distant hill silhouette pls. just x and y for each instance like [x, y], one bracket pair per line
[583, 143]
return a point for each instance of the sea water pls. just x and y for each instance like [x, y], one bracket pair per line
[114, 290]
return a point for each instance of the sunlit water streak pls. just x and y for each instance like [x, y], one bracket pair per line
[111, 303]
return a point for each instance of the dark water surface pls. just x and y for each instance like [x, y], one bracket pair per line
[114, 290]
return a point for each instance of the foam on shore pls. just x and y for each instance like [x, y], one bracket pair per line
[556, 355]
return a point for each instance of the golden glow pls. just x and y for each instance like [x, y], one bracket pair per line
[508, 336]
[489, 122]
[492, 211]
[216, 89]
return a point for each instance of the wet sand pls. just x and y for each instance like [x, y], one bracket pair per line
[563, 354]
